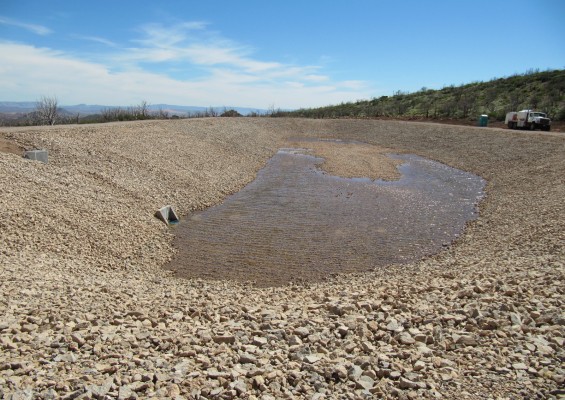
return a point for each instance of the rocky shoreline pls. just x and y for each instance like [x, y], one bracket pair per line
[88, 312]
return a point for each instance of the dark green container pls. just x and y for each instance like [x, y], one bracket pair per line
[483, 120]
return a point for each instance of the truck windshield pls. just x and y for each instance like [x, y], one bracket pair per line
[538, 115]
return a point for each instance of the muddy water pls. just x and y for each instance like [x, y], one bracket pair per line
[297, 223]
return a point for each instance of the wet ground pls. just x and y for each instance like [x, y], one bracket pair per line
[297, 223]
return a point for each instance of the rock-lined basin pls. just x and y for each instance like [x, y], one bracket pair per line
[81, 281]
[296, 223]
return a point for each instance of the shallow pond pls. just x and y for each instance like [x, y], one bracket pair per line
[296, 223]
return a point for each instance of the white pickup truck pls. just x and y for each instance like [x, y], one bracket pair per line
[528, 119]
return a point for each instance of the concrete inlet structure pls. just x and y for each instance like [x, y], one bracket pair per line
[37, 155]
[167, 214]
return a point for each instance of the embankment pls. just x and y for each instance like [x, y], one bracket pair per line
[86, 309]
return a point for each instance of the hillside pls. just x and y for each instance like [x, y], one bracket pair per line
[544, 91]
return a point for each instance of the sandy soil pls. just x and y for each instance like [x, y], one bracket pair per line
[8, 146]
[353, 160]
[86, 311]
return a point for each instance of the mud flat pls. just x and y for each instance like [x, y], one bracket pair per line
[87, 311]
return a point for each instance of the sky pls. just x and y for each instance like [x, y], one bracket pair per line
[267, 54]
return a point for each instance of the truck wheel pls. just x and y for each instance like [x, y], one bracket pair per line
[533, 126]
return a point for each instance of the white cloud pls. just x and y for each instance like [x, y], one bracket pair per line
[97, 39]
[182, 64]
[37, 29]
[157, 35]
[297, 85]
[191, 42]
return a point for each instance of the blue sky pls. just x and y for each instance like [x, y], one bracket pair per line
[262, 54]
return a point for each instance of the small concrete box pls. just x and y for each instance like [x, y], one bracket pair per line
[37, 155]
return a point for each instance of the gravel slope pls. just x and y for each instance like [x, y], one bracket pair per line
[87, 312]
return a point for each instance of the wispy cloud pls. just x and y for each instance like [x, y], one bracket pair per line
[181, 49]
[97, 39]
[195, 45]
[185, 63]
[192, 42]
[157, 35]
[37, 29]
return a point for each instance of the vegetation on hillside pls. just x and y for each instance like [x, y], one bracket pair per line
[542, 91]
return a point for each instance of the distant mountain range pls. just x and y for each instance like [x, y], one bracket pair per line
[89, 109]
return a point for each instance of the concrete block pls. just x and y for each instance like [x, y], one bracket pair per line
[168, 215]
[37, 155]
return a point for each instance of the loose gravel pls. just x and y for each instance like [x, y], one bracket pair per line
[87, 311]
